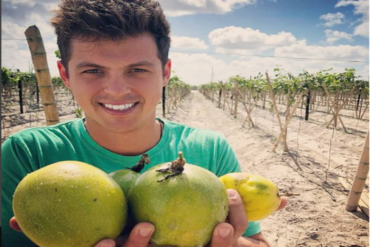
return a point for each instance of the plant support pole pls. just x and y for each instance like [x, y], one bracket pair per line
[360, 178]
[43, 77]
[20, 96]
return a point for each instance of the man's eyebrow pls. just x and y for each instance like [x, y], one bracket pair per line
[142, 63]
[87, 64]
[94, 65]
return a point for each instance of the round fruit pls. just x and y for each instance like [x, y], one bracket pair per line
[260, 196]
[126, 177]
[184, 203]
[69, 204]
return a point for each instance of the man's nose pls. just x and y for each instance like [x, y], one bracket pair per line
[117, 85]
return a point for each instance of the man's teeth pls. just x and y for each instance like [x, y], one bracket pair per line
[119, 107]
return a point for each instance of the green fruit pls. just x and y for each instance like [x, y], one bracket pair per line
[124, 178]
[69, 204]
[184, 206]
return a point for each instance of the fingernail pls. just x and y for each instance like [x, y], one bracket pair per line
[224, 232]
[145, 231]
[232, 194]
[105, 244]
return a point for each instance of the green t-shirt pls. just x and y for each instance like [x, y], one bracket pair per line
[34, 148]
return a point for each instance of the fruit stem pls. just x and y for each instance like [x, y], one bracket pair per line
[181, 155]
[180, 162]
[289, 194]
[144, 160]
[176, 167]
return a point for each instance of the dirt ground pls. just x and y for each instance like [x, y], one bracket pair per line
[317, 217]
[318, 158]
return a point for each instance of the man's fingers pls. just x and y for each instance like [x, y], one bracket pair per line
[140, 235]
[14, 224]
[283, 203]
[106, 243]
[223, 235]
[237, 217]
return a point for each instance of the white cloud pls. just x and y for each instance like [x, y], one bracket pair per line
[295, 56]
[187, 43]
[340, 52]
[333, 36]
[361, 8]
[12, 57]
[190, 7]
[196, 69]
[332, 19]
[10, 30]
[234, 38]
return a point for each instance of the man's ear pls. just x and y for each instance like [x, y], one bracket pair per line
[63, 74]
[167, 72]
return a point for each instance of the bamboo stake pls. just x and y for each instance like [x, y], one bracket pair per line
[336, 108]
[287, 121]
[360, 178]
[277, 115]
[40, 64]
[248, 118]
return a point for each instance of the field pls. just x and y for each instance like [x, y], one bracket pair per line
[317, 217]
[318, 159]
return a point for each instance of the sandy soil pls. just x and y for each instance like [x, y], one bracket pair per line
[318, 157]
[317, 217]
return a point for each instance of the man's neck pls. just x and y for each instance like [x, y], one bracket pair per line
[130, 143]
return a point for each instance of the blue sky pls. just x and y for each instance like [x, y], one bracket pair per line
[216, 39]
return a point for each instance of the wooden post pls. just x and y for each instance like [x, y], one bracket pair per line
[37, 95]
[164, 102]
[20, 96]
[43, 77]
[236, 94]
[360, 178]
[220, 94]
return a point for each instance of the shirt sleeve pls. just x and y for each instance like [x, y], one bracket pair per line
[14, 166]
[253, 228]
[229, 163]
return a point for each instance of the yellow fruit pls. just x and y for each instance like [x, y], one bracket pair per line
[69, 204]
[260, 196]
[184, 207]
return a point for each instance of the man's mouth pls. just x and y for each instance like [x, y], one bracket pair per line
[119, 107]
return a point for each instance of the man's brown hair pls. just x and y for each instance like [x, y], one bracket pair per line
[109, 19]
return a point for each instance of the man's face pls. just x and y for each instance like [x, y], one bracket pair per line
[117, 84]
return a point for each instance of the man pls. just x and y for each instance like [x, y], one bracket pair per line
[114, 59]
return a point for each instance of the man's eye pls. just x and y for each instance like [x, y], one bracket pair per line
[92, 71]
[138, 70]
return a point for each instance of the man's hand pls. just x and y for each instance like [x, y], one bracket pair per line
[139, 237]
[225, 234]
[14, 224]
[229, 233]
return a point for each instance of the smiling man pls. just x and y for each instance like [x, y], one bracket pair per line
[114, 59]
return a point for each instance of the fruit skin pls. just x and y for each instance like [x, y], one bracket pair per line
[124, 178]
[184, 209]
[260, 196]
[69, 204]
